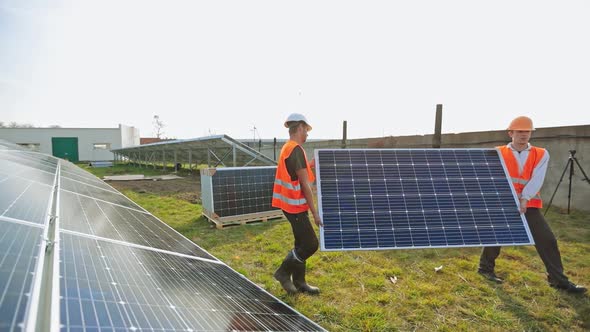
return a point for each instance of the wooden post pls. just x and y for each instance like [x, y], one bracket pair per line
[344, 134]
[436, 139]
[190, 161]
[274, 149]
[175, 162]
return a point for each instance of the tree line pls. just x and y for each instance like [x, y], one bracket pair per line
[13, 124]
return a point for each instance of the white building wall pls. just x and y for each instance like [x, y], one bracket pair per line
[129, 136]
[87, 137]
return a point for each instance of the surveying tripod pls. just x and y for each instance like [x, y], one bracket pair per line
[570, 164]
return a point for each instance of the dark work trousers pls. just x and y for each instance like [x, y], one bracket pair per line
[546, 246]
[306, 242]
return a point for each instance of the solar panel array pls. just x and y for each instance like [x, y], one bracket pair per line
[236, 191]
[416, 198]
[119, 267]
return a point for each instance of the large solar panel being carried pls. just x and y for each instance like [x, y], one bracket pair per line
[77, 255]
[238, 194]
[416, 198]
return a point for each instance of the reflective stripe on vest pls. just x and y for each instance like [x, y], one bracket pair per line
[287, 194]
[287, 185]
[521, 179]
[290, 201]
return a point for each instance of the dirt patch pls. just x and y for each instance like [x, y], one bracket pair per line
[188, 188]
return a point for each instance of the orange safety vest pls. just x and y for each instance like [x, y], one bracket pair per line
[519, 181]
[287, 195]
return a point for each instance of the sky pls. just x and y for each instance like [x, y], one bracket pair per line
[241, 67]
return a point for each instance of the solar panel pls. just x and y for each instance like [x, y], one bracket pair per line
[19, 248]
[73, 172]
[237, 191]
[30, 159]
[93, 217]
[111, 286]
[96, 192]
[115, 266]
[19, 186]
[416, 198]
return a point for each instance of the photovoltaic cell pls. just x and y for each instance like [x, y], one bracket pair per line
[73, 172]
[32, 160]
[236, 191]
[39, 176]
[97, 193]
[96, 182]
[89, 216]
[24, 200]
[19, 247]
[416, 198]
[107, 286]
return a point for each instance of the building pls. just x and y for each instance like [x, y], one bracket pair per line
[150, 140]
[74, 144]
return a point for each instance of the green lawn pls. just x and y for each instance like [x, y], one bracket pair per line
[357, 289]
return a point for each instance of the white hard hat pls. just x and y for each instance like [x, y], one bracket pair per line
[296, 117]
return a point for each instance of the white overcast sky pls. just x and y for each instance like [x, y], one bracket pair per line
[225, 67]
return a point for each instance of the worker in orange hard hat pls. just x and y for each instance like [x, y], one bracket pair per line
[527, 166]
[292, 193]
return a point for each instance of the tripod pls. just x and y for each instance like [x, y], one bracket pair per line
[570, 164]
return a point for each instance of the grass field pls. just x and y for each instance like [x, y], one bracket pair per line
[358, 288]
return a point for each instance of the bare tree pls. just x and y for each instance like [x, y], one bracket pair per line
[158, 126]
[54, 126]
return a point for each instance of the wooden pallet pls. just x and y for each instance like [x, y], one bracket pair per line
[243, 219]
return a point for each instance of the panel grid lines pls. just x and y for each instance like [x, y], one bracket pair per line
[89, 216]
[109, 286]
[116, 266]
[416, 198]
[19, 245]
[239, 191]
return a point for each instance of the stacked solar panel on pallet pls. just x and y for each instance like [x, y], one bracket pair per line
[116, 267]
[237, 195]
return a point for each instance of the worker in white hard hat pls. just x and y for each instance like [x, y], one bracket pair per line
[527, 166]
[292, 193]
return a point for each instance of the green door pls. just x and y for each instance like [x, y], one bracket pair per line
[65, 147]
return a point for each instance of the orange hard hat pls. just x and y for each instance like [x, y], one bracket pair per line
[521, 123]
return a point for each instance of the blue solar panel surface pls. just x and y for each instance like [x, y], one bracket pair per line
[19, 248]
[416, 198]
[116, 267]
[111, 287]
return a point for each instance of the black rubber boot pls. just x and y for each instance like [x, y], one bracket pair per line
[491, 276]
[299, 280]
[283, 273]
[568, 286]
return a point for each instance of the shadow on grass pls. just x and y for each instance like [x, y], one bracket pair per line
[520, 311]
[581, 304]
[206, 235]
[571, 227]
